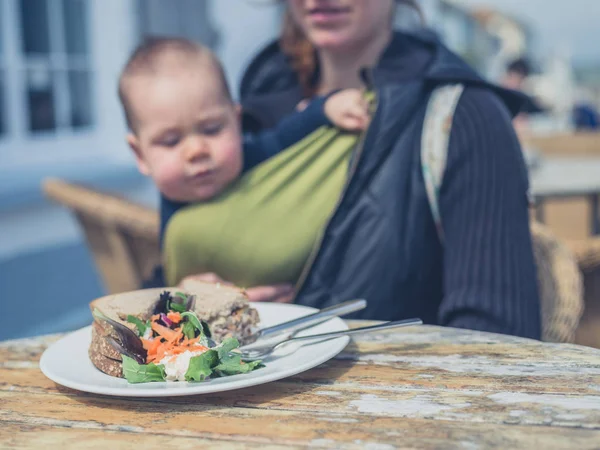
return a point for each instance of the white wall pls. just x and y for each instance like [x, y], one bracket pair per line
[244, 27]
[116, 34]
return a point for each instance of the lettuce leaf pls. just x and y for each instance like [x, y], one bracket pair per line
[194, 324]
[189, 330]
[231, 363]
[226, 346]
[142, 373]
[219, 362]
[201, 366]
[193, 319]
[234, 366]
[182, 296]
[177, 307]
[141, 326]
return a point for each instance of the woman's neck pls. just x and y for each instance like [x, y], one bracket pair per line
[341, 70]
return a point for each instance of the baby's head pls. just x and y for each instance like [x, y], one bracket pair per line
[184, 127]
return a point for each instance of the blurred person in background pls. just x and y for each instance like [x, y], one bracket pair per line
[585, 117]
[515, 78]
[517, 72]
[381, 242]
[585, 113]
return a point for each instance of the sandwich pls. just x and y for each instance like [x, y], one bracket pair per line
[225, 309]
[172, 334]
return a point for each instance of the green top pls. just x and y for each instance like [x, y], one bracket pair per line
[262, 229]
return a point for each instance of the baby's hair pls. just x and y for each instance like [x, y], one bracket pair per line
[148, 59]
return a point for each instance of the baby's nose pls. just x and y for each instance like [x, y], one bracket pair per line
[196, 148]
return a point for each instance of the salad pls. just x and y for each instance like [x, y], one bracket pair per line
[177, 346]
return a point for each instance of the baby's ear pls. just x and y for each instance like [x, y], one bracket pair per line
[134, 144]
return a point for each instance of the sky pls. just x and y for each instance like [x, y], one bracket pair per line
[573, 25]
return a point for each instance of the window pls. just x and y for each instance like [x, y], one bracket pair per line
[2, 79]
[56, 54]
[2, 104]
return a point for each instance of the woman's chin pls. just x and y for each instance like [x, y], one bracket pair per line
[332, 41]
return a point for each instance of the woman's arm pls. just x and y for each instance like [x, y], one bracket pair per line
[490, 280]
[278, 293]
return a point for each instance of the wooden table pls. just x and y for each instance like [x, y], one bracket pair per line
[425, 387]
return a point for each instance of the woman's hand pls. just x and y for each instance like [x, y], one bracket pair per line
[208, 277]
[278, 293]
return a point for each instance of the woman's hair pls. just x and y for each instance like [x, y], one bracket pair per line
[302, 54]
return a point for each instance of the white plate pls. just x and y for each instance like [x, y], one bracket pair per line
[66, 362]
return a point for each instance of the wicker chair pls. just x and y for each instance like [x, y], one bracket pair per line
[123, 238]
[560, 285]
[587, 252]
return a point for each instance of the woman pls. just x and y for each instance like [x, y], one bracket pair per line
[380, 242]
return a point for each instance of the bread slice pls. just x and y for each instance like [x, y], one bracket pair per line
[117, 307]
[226, 309]
[100, 343]
[107, 365]
[136, 303]
[102, 362]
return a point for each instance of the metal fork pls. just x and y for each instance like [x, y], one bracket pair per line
[283, 331]
[253, 352]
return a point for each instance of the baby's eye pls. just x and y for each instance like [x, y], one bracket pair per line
[212, 129]
[170, 140]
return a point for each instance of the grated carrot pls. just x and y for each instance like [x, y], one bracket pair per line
[165, 332]
[174, 316]
[169, 342]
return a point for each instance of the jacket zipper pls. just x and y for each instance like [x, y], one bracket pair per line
[319, 243]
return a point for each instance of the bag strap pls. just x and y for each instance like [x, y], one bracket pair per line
[434, 144]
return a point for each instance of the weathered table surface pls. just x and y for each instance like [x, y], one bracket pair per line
[424, 387]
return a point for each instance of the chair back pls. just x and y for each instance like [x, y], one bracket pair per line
[121, 235]
[560, 283]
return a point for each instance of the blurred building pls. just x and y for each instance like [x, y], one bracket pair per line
[515, 38]
[588, 79]
[552, 84]
[464, 34]
[458, 28]
[555, 88]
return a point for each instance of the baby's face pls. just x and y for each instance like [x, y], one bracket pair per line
[188, 135]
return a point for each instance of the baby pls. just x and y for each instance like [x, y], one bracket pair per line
[185, 130]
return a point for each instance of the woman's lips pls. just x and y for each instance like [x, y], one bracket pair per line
[328, 15]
